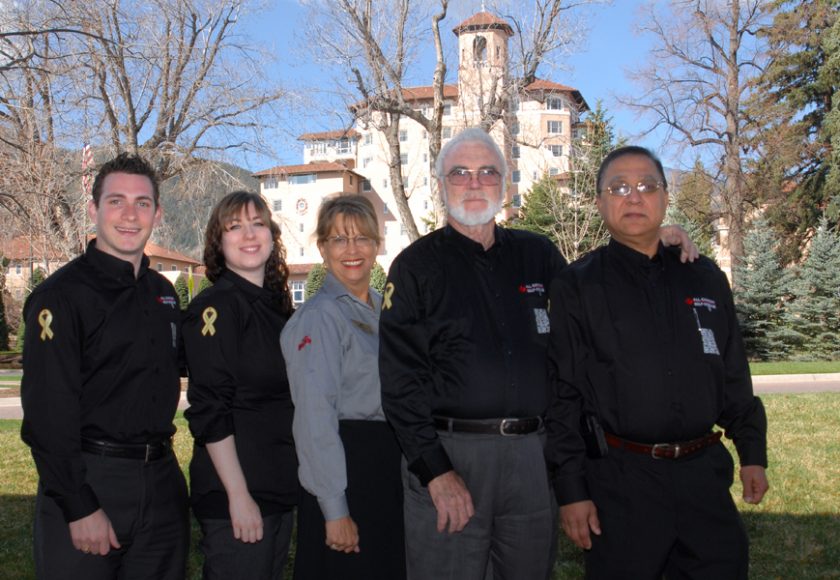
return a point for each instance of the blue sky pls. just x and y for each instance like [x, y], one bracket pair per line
[597, 70]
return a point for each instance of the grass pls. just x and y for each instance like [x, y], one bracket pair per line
[794, 533]
[795, 367]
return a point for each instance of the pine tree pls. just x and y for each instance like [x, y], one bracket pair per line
[183, 291]
[815, 308]
[314, 280]
[762, 286]
[203, 285]
[378, 278]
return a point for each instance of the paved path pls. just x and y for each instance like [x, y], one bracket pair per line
[830, 382]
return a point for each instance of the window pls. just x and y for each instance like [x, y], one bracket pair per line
[159, 267]
[403, 158]
[298, 292]
[425, 135]
[554, 103]
[447, 110]
[403, 135]
[277, 205]
[425, 204]
[351, 179]
[319, 148]
[555, 127]
[368, 139]
[446, 133]
[517, 200]
[384, 184]
[366, 161]
[514, 129]
[425, 157]
[17, 269]
[556, 150]
[385, 210]
[300, 227]
[366, 185]
[303, 179]
[480, 49]
[173, 267]
[425, 180]
[403, 231]
[270, 183]
[186, 269]
[514, 152]
[301, 251]
[343, 146]
[515, 176]
[513, 104]
[553, 171]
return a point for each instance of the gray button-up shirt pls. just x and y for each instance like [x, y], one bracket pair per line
[331, 347]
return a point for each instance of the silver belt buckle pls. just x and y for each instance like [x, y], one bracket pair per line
[655, 447]
[503, 424]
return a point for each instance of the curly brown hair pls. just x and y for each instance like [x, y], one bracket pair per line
[228, 208]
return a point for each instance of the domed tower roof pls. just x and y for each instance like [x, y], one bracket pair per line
[483, 21]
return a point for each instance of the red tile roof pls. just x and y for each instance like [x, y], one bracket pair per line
[423, 93]
[300, 268]
[483, 21]
[336, 134]
[315, 167]
[544, 85]
[154, 250]
[23, 248]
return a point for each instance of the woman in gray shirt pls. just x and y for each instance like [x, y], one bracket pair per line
[350, 521]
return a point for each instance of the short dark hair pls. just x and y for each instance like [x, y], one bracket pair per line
[629, 150]
[229, 208]
[125, 163]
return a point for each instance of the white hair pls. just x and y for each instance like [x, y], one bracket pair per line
[470, 135]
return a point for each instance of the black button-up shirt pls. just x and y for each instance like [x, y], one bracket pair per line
[463, 333]
[238, 386]
[652, 347]
[100, 361]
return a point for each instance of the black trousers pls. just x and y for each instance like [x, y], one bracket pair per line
[374, 495]
[226, 558]
[661, 516]
[147, 506]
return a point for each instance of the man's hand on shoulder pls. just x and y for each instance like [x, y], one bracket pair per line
[577, 519]
[754, 480]
[452, 500]
[676, 236]
[94, 534]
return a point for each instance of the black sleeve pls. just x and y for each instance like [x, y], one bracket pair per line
[405, 373]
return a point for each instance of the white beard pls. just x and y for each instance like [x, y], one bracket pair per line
[474, 218]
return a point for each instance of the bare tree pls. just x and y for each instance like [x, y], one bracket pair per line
[696, 84]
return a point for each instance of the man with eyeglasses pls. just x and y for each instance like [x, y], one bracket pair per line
[647, 358]
[463, 366]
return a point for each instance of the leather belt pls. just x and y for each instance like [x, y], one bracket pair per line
[664, 450]
[147, 452]
[507, 426]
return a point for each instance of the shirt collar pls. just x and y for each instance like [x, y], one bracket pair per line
[634, 257]
[469, 245]
[251, 290]
[335, 289]
[113, 267]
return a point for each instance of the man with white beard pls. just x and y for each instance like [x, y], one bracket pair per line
[463, 366]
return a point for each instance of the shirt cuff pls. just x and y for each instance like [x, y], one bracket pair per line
[431, 464]
[334, 508]
[78, 506]
[570, 489]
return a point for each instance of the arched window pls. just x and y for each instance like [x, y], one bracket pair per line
[480, 49]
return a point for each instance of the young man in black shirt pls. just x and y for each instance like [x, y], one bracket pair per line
[647, 359]
[100, 389]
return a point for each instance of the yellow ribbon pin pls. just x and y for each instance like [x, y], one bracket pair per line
[386, 298]
[209, 316]
[45, 319]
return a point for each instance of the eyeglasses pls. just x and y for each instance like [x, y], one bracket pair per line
[485, 176]
[623, 189]
[341, 242]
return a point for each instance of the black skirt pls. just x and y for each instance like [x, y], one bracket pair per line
[375, 498]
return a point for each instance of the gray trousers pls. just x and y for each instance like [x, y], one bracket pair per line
[513, 534]
[226, 558]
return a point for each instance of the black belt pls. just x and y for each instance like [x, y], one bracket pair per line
[664, 450]
[507, 426]
[147, 452]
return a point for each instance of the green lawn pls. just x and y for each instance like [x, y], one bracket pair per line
[795, 367]
[795, 532]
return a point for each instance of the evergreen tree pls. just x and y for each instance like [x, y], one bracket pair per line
[691, 206]
[762, 287]
[4, 327]
[183, 291]
[203, 285]
[38, 276]
[815, 308]
[378, 278]
[314, 281]
[800, 87]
